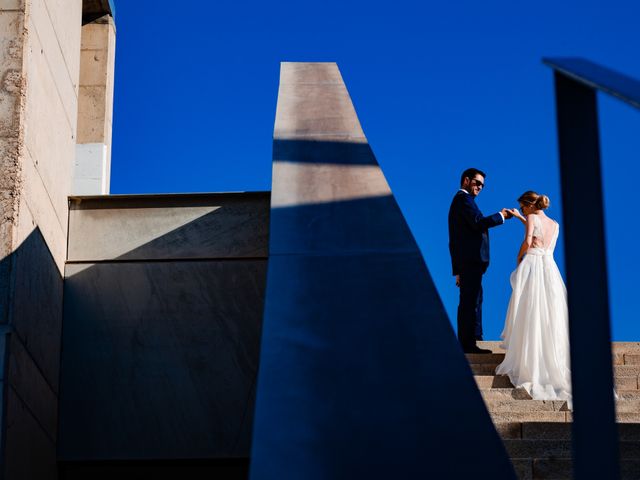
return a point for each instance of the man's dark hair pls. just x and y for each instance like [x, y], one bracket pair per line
[470, 173]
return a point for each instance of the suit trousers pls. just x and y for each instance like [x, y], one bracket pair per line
[470, 306]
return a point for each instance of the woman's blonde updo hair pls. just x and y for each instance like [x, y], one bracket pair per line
[540, 202]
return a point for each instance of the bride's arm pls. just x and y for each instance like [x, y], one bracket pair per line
[516, 213]
[528, 238]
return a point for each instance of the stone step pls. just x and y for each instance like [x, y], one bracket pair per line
[505, 394]
[631, 348]
[479, 358]
[557, 431]
[514, 405]
[527, 416]
[502, 381]
[560, 469]
[486, 382]
[496, 358]
[507, 416]
[524, 448]
[618, 370]
[521, 394]
[509, 404]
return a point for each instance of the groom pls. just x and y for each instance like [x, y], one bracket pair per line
[469, 248]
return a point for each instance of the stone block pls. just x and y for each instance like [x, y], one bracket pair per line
[509, 429]
[538, 448]
[483, 368]
[478, 358]
[497, 394]
[626, 383]
[512, 405]
[631, 359]
[626, 370]
[562, 431]
[494, 346]
[546, 431]
[94, 67]
[628, 417]
[527, 416]
[628, 394]
[628, 405]
[625, 347]
[493, 381]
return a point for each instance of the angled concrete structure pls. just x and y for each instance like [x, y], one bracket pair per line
[354, 335]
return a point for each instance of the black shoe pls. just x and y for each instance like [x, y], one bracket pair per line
[476, 349]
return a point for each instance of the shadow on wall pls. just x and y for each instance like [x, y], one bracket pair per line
[161, 352]
[31, 299]
[356, 339]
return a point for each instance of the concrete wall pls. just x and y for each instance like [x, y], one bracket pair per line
[39, 82]
[162, 314]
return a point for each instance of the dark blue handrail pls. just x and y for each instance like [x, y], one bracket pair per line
[598, 77]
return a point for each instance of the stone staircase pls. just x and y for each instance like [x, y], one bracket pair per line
[537, 433]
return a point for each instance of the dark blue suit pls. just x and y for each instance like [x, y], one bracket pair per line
[469, 248]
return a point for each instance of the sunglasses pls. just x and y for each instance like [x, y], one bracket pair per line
[478, 183]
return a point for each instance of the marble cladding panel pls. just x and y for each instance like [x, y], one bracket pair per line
[37, 305]
[166, 371]
[176, 227]
[50, 128]
[31, 386]
[65, 21]
[30, 453]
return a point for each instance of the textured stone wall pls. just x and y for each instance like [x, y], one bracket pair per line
[12, 91]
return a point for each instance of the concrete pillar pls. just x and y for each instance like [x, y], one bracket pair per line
[92, 167]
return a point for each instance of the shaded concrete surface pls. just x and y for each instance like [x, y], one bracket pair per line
[355, 335]
[160, 353]
[31, 347]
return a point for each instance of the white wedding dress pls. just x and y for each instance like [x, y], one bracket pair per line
[536, 331]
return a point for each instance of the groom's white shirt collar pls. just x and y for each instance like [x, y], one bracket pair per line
[499, 213]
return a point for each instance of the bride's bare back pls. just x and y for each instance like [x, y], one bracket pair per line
[544, 230]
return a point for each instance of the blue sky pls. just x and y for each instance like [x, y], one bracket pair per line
[438, 87]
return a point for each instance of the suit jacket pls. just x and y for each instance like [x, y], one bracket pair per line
[468, 233]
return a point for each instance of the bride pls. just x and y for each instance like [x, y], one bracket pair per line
[536, 331]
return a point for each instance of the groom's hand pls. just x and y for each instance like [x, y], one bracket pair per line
[506, 213]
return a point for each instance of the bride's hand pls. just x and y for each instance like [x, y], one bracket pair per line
[516, 213]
